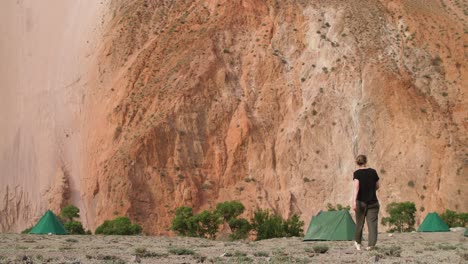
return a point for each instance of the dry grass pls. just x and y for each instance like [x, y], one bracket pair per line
[400, 248]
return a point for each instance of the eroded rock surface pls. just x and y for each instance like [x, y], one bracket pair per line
[268, 102]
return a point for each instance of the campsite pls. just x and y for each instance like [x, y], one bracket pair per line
[328, 239]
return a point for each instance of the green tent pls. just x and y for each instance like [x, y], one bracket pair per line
[332, 225]
[49, 224]
[433, 223]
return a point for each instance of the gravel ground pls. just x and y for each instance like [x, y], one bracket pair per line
[448, 247]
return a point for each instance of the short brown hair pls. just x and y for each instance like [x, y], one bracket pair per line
[361, 160]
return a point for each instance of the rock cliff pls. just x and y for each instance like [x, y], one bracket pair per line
[268, 102]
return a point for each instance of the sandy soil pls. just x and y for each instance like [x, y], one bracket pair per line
[415, 248]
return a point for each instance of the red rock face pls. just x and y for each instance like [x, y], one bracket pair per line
[268, 102]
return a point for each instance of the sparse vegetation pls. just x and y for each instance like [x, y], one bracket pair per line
[320, 248]
[401, 217]
[261, 254]
[392, 251]
[181, 251]
[447, 247]
[27, 230]
[411, 184]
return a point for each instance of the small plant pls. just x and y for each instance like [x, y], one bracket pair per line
[392, 251]
[320, 248]
[226, 51]
[144, 253]
[303, 79]
[339, 207]
[411, 184]
[140, 251]
[261, 254]
[447, 247]
[181, 251]
[71, 240]
[27, 230]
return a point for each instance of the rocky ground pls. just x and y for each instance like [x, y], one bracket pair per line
[398, 248]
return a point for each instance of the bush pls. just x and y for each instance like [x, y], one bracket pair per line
[339, 207]
[240, 228]
[74, 228]
[27, 230]
[119, 226]
[208, 224]
[229, 210]
[401, 217]
[69, 212]
[184, 223]
[454, 219]
[268, 225]
[293, 227]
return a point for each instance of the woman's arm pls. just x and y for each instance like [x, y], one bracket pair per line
[355, 192]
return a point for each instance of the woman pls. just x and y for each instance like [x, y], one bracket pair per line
[365, 203]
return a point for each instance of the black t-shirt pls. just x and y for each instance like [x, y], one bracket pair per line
[367, 185]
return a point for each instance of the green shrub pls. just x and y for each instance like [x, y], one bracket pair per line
[269, 225]
[240, 228]
[293, 227]
[229, 210]
[401, 217]
[27, 230]
[184, 223]
[69, 212]
[119, 226]
[74, 228]
[454, 219]
[208, 224]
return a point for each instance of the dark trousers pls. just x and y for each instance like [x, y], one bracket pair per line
[369, 212]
